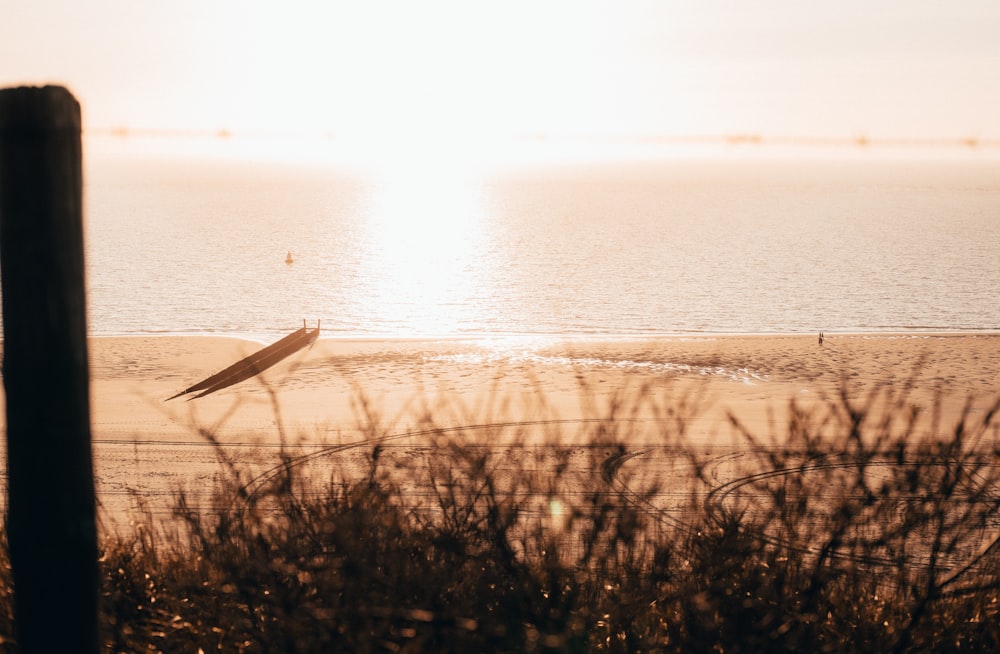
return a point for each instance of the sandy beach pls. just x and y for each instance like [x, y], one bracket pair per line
[343, 391]
[318, 390]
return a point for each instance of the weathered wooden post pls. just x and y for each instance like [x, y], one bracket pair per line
[51, 526]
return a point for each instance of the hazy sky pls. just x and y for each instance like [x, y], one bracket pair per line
[364, 68]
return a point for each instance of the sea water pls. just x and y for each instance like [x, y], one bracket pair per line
[678, 246]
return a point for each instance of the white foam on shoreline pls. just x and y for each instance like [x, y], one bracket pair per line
[744, 375]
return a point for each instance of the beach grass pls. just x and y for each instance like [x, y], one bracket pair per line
[862, 524]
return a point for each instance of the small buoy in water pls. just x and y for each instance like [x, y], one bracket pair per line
[289, 259]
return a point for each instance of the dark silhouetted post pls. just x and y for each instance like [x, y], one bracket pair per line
[51, 524]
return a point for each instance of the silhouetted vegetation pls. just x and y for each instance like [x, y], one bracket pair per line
[869, 528]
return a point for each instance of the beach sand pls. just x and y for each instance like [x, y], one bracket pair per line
[318, 390]
[343, 391]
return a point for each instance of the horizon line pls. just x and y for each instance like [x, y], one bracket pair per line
[727, 138]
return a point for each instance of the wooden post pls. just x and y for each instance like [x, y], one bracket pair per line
[51, 525]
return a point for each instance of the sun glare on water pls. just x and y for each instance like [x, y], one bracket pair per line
[423, 228]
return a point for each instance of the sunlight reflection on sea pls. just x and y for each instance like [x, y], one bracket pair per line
[611, 250]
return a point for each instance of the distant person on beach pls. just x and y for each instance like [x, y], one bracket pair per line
[821, 339]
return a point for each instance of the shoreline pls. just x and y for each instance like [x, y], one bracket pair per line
[324, 387]
[131, 376]
[345, 391]
[571, 337]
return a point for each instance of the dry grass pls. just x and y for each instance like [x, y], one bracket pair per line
[862, 532]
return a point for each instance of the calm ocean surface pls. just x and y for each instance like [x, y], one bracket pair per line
[602, 250]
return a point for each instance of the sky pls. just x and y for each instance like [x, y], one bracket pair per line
[468, 71]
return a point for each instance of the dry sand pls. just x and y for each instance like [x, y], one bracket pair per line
[317, 391]
[147, 447]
